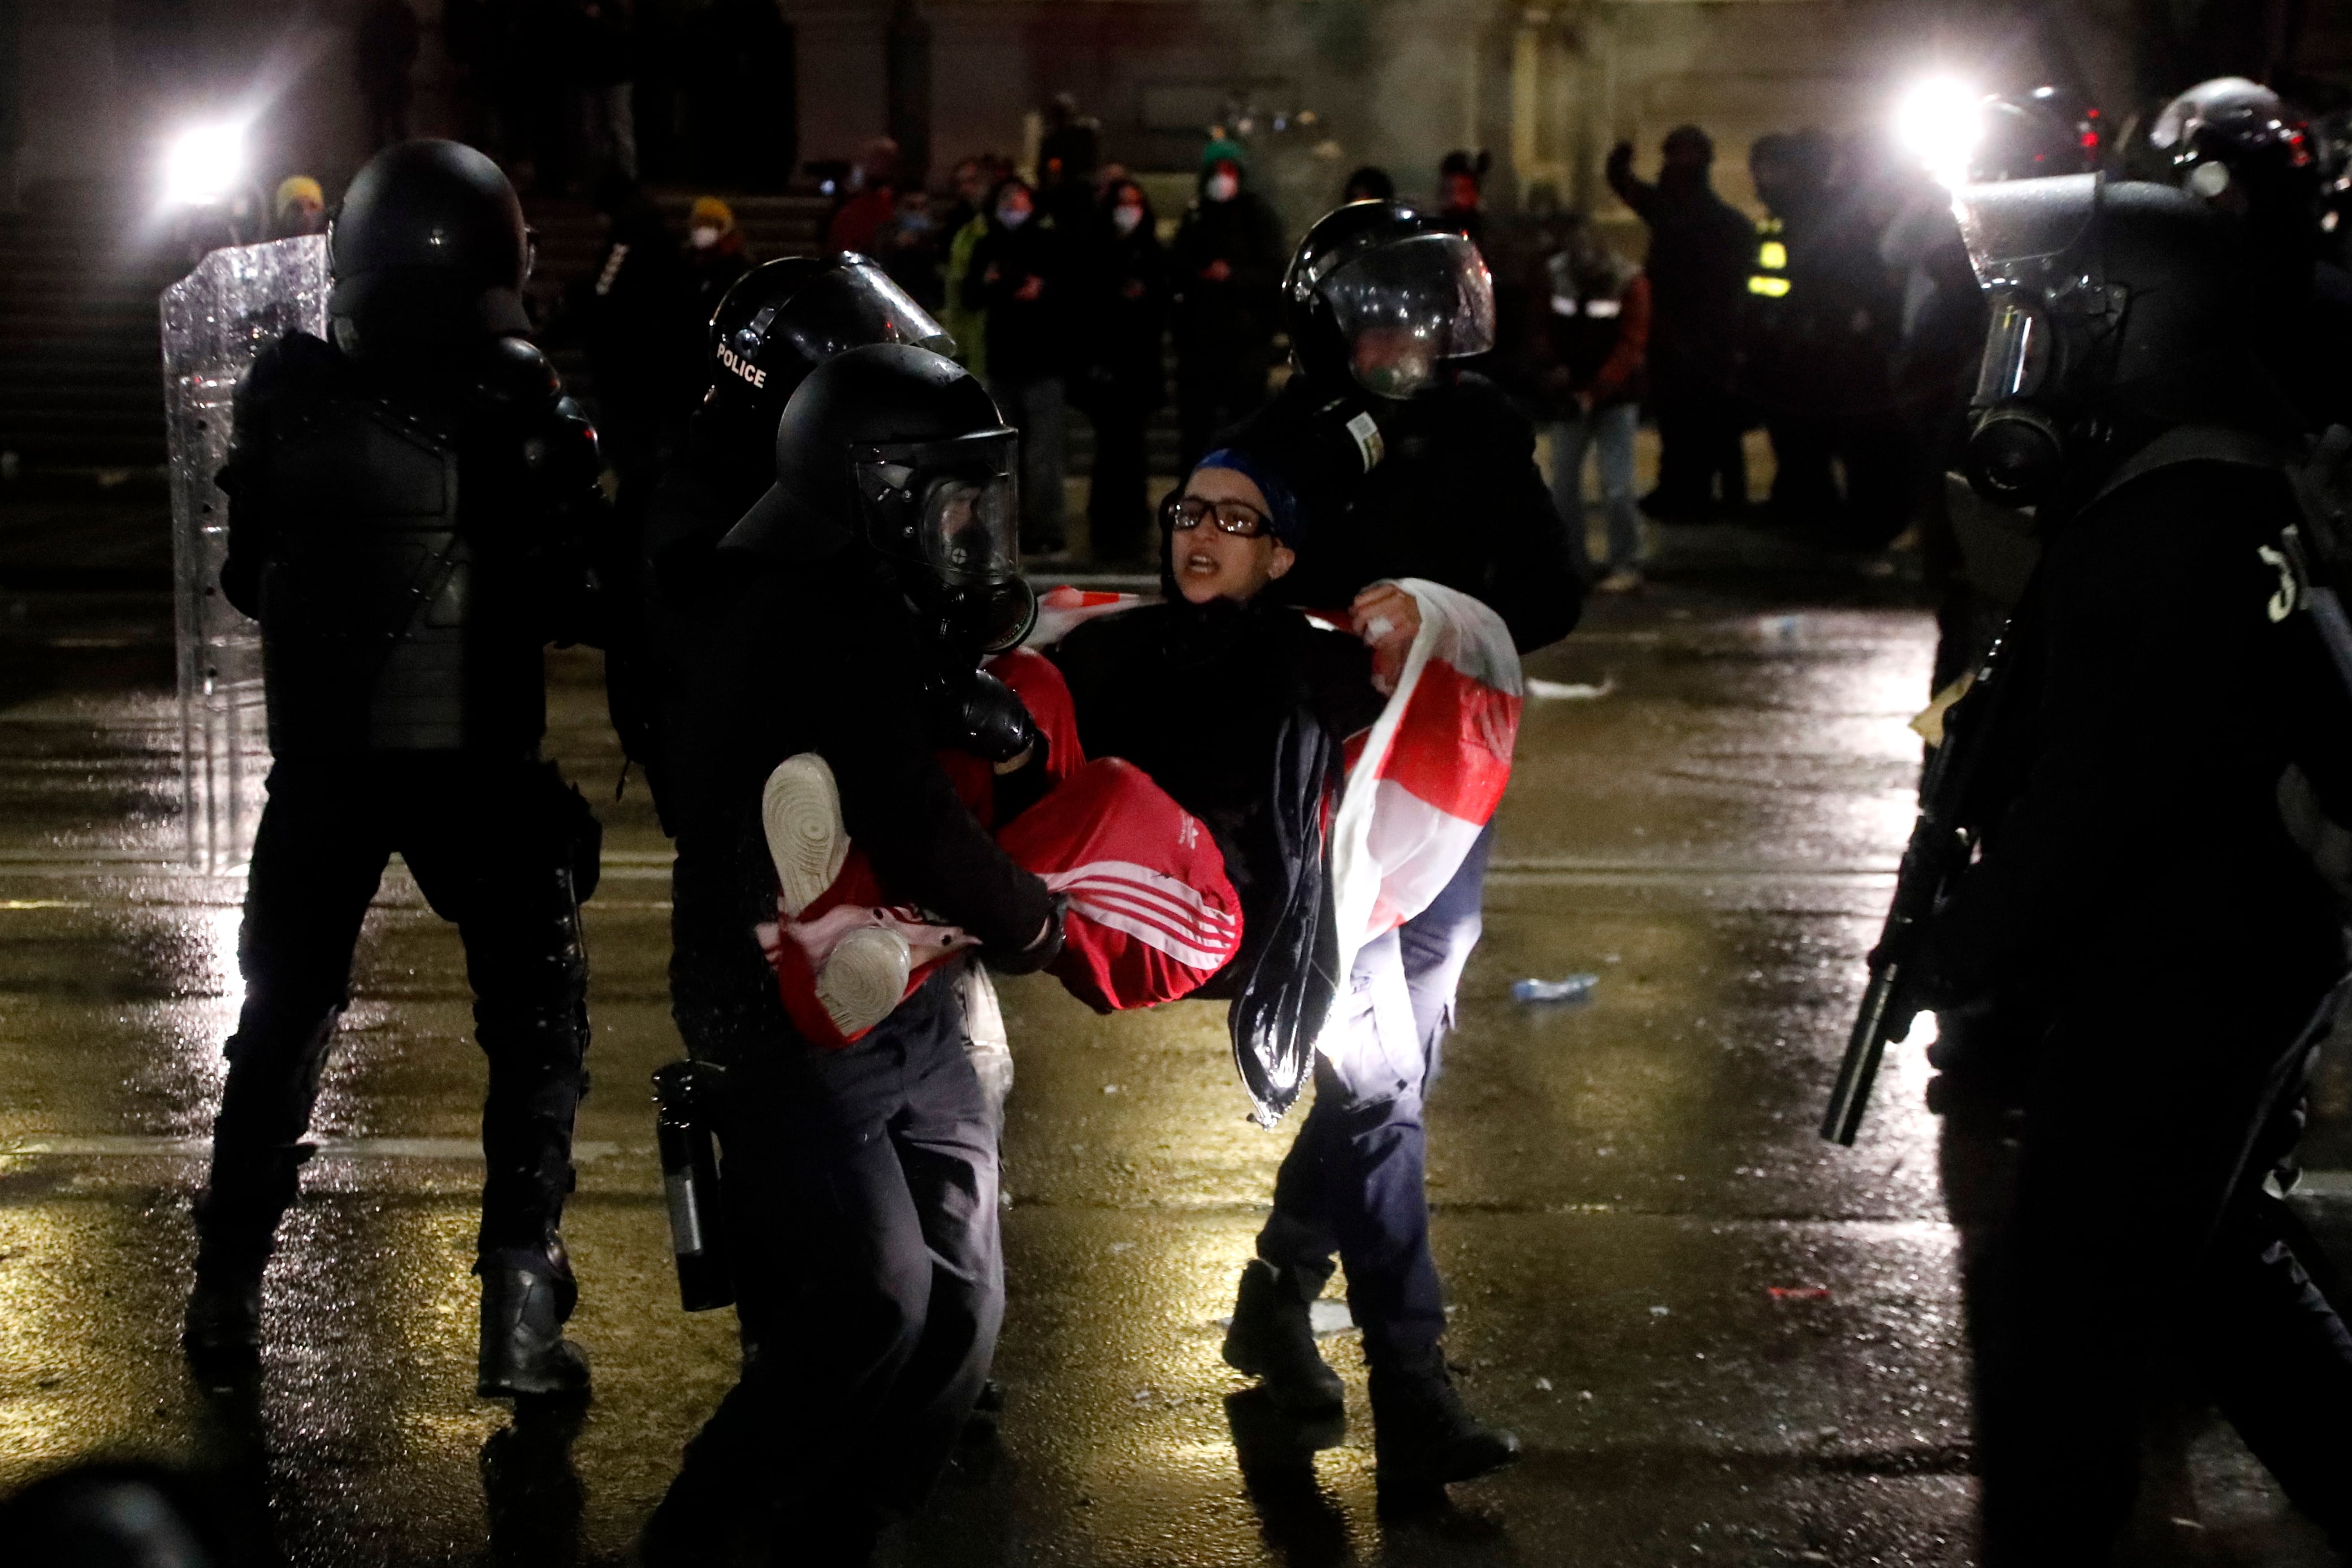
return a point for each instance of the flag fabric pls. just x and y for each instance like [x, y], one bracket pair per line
[1426, 779]
[1062, 609]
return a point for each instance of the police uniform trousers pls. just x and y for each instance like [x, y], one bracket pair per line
[491, 843]
[1353, 1182]
[2142, 1249]
[861, 1198]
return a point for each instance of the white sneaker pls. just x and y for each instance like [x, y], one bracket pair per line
[800, 810]
[865, 977]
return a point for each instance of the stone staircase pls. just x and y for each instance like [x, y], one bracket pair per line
[80, 354]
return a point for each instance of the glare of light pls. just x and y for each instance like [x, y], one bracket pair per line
[204, 163]
[1939, 121]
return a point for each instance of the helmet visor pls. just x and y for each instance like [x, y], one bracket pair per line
[839, 310]
[1404, 306]
[954, 506]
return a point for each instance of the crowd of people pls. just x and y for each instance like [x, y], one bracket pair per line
[1066, 294]
[1070, 293]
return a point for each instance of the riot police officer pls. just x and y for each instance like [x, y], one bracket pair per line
[409, 511]
[2138, 884]
[778, 322]
[2240, 148]
[860, 1184]
[1413, 469]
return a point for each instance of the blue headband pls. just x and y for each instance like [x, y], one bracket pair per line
[1289, 524]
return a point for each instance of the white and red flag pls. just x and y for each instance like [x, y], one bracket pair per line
[1424, 780]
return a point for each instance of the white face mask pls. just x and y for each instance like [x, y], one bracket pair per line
[704, 239]
[1011, 216]
[1223, 187]
[1125, 218]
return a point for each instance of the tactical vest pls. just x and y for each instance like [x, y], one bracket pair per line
[384, 627]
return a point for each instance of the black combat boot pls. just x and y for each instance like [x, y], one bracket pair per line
[1273, 1339]
[237, 1223]
[525, 1297]
[1422, 1437]
[222, 1331]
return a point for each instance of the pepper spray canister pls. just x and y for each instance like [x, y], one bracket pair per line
[685, 1094]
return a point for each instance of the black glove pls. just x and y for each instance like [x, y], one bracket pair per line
[974, 711]
[1038, 953]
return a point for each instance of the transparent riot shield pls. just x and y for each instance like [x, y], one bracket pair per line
[216, 321]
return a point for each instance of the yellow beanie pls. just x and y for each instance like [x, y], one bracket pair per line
[301, 188]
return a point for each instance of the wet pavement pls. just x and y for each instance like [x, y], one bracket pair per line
[1722, 1340]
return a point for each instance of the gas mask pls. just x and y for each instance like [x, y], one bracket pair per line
[947, 515]
[2055, 320]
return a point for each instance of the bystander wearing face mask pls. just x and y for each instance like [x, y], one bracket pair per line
[1125, 217]
[1222, 186]
[1012, 215]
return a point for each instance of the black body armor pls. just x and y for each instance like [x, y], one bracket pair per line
[408, 547]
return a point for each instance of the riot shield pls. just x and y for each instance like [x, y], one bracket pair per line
[216, 321]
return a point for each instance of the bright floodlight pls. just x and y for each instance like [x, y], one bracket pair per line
[1940, 122]
[205, 163]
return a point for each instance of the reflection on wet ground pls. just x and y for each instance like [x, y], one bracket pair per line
[1723, 1340]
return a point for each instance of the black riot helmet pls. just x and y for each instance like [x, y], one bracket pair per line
[2237, 145]
[428, 249]
[2116, 310]
[784, 318]
[1383, 296]
[902, 450]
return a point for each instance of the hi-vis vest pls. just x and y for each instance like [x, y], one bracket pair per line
[1771, 277]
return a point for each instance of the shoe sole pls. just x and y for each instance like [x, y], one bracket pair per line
[865, 977]
[800, 812]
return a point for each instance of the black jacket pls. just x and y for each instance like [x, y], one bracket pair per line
[1701, 248]
[2131, 811]
[1126, 318]
[1457, 497]
[1237, 316]
[1027, 338]
[409, 540]
[1195, 695]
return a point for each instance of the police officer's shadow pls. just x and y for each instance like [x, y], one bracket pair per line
[534, 1497]
[1301, 1521]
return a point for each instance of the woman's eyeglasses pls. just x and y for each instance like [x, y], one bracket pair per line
[1184, 514]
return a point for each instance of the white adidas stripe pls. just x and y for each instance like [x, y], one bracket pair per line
[1203, 919]
[1184, 901]
[1195, 935]
[1151, 936]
